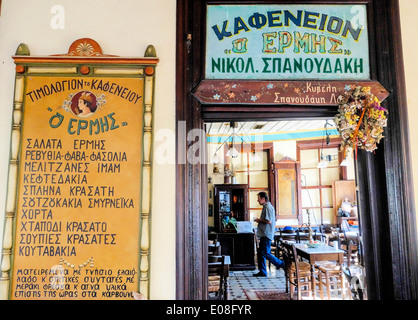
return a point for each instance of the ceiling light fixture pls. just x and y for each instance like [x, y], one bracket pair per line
[326, 159]
[230, 142]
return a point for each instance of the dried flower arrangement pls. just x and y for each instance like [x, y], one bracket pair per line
[360, 120]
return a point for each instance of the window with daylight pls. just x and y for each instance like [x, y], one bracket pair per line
[317, 179]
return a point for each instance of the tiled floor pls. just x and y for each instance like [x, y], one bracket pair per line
[240, 280]
[275, 280]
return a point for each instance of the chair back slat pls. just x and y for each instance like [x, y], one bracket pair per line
[217, 268]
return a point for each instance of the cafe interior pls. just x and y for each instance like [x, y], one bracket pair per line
[312, 186]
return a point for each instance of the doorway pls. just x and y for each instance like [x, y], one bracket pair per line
[387, 210]
[244, 155]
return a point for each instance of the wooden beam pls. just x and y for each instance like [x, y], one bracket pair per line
[274, 93]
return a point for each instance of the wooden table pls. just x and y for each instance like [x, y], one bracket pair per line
[323, 253]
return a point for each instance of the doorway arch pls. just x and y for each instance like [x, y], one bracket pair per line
[386, 194]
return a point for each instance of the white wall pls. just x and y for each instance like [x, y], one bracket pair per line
[123, 28]
[409, 15]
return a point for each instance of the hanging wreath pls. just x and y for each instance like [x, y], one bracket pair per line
[360, 120]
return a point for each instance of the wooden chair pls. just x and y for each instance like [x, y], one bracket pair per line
[302, 237]
[331, 276]
[343, 241]
[335, 235]
[214, 248]
[288, 234]
[298, 273]
[287, 255]
[352, 255]
[360, 250]
[319, 233]
[216, 277]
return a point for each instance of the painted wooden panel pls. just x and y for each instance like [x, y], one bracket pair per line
[287, 41]
[298, 93]
[80, 178]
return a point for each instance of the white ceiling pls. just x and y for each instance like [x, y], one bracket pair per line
[224, 128]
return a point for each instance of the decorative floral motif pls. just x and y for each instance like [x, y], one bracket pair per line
[100, 100]
[361, 119]
[85, 49]
[80, 266]
[216, 96]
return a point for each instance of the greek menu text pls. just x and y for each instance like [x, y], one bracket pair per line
[77, 224]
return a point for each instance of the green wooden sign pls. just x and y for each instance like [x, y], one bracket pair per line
[287, 42]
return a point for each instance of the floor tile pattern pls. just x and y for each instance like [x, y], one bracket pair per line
[240, 280]
[275, 280]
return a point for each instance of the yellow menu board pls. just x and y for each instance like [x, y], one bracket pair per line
[77, 225]
[79, 191]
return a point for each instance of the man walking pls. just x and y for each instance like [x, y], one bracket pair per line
[265, 231]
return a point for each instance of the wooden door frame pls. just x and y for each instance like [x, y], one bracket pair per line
[386, 195]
